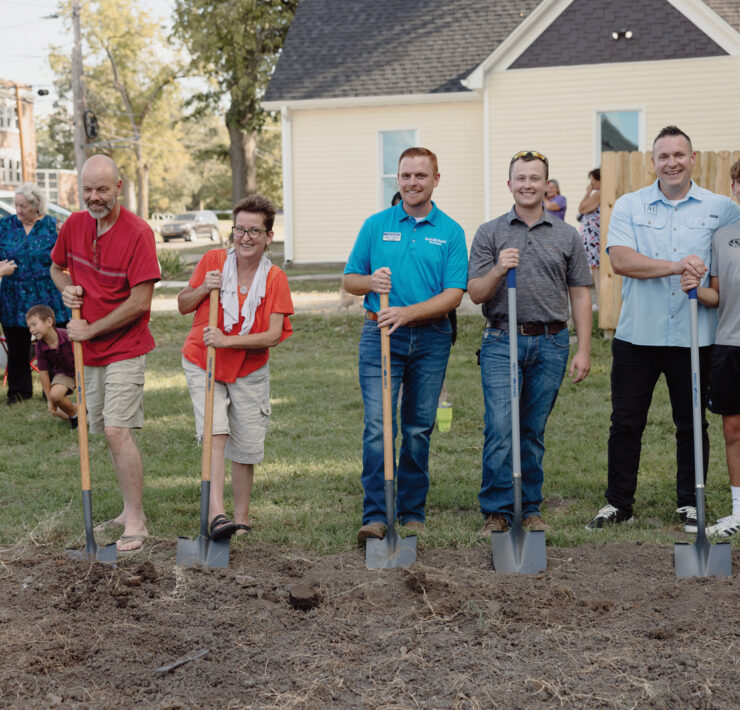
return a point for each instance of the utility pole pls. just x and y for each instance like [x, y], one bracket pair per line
[78, 97]
[19, 111]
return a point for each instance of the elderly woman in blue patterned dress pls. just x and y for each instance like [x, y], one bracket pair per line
[26, 239]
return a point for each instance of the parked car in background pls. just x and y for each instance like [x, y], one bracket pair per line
[189, 225]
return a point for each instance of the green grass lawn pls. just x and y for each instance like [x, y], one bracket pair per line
[307, 492]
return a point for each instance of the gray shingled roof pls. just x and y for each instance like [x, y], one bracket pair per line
[343, 48]
[377, 47]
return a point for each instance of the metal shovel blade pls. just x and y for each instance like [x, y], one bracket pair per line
[202, 551]
[519, 551]
[92, 551]
[702, 559]
[390, 552]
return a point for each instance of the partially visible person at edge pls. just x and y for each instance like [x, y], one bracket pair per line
[55, 361]
[551, 268]
[112, 262]
[589, 210]
[26, 239]
[655, 235]
[723, 291]
[416, 254]
[554, 202]
[253, 316]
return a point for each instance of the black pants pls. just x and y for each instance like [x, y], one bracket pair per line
[19, 358]
[635, 372]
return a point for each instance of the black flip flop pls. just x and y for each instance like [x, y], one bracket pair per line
[242, 526]
[221, 528]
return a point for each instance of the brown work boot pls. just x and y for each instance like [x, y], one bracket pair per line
[534, 523]
[413, 527]
[375, 530]
[495, 522]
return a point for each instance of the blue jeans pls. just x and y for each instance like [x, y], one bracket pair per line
[542, 362]
[418, 360]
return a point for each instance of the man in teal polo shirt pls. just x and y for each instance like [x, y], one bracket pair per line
[416, 254]
[655, 235]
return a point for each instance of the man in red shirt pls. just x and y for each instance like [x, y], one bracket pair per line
[112, 262]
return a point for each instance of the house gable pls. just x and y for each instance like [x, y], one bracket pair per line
[582, 34]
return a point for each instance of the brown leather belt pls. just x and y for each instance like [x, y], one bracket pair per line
[529, 328]
[369, 315]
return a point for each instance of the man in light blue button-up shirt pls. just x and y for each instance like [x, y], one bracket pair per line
[655, 235]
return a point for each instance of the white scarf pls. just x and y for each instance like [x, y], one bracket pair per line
[230, 297]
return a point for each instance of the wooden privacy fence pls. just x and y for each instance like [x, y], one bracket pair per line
[625, 172]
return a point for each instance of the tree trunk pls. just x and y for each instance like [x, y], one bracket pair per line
[243, 159]
[128, 195]
[142, 181]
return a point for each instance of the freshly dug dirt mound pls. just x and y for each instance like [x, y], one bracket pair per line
[608, 625]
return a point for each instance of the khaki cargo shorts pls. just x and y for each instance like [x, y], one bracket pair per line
[115, 394]
[241, 409]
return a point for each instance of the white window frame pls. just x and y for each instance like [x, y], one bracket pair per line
[618, 109]
[381, 175]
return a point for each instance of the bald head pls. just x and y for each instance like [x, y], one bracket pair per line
[101, 186]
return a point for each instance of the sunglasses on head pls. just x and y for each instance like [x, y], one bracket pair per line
[530, 155]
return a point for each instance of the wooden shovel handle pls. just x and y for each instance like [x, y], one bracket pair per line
[385, 355]
[81, 409]
[205, 463]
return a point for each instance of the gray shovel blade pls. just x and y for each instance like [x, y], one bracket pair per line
[101, 553]
[702, 559]
[523, 552]
[392, 551]
[202, 551]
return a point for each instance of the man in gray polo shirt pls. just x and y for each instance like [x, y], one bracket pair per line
[551, 265]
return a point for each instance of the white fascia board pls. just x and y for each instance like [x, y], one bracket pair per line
[709, 22]
[358, 101]
[517, 42]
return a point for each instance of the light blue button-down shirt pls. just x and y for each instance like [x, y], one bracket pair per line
[655, 311]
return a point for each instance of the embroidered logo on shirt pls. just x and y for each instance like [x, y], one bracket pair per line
[435, 240]
[391, 236]
[734, 242]
[652, 209]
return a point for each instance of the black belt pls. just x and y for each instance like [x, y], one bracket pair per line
[529, 328]
[369, 315]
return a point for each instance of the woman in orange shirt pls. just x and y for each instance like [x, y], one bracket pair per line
[253, 316]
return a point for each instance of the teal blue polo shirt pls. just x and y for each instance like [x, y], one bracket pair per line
[425, 257]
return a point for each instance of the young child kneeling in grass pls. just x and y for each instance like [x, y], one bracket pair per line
[55, 361]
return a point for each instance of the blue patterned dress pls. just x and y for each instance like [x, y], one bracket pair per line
[30, 283]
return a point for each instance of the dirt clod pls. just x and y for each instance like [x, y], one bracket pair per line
[301, 596]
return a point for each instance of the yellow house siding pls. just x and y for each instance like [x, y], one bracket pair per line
[336, 159]
[552, 110]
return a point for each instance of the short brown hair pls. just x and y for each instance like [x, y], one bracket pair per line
[671, 131]
[735, 171]
[41, 311]
[419, 152]
[257, 203]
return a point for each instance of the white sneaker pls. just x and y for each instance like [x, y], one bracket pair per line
[725, 527]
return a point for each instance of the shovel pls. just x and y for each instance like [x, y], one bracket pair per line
[700, 559]
[203, 550]
[392, 550]
[92, 550]
[516, 550]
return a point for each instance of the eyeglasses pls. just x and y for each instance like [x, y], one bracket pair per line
[253, 232]
[530, 155]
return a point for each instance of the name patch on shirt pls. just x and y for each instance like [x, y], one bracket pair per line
[651, 209]
[435, 240]
[391, 236]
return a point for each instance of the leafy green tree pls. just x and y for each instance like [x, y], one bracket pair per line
[236, 44]
[55, 140]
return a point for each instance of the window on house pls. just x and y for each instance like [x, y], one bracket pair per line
[619, 130]
[392, 144]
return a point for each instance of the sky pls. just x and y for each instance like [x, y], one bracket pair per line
[29, 33]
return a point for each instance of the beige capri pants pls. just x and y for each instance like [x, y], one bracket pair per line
[241, 409]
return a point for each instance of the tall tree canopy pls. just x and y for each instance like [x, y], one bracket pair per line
[236, 44]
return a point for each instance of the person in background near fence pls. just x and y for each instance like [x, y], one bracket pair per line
[55, 361]
[724, 377]
[253, 316]
[112, 262]
[656, 234]
[554, 202]
[416, 254]
[589, 211]
[551, 266]
[26, 239]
